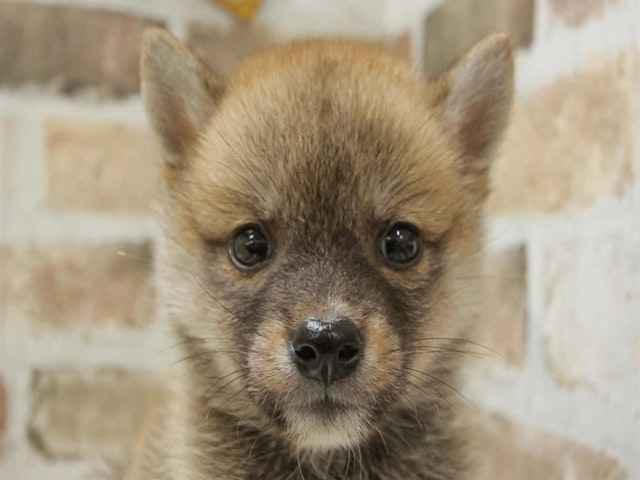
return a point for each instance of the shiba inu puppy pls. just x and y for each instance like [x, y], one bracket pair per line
[321, 214]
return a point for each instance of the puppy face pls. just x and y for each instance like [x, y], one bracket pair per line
[320, 208]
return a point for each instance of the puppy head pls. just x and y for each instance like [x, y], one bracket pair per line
[320, 207]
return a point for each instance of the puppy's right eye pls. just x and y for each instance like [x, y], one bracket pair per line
[250, 247]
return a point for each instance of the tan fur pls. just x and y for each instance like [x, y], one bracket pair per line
[323, 143]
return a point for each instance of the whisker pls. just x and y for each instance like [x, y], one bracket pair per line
[211, 352]
[346, 470]
[361, 462]
[242, 371]
[401, 375]
[193, 339]
[415, 409]
[299, 464]
[431, 387]
[426, 349]
[210, 295]
[227, 400]
[386, 448]
[433, 377]
[490, 277]
[453, 340]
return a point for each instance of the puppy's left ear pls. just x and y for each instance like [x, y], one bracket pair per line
[475, 100]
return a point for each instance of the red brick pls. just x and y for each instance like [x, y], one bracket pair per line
[100, 166]
[85, 414]
[223, 49]
[457, 25]
[504, 321]
[77, 287]
[558, 154]
[70, 48]
[507, 450]
[3, 415]
[576, 13]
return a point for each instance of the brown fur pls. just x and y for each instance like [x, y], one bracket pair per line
[324, 144]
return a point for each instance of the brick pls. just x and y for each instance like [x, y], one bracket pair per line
[456, 25]
[504, 320]
[77, 287]
[508, 450]
[88, 414]
[69, 48]
[3, 415]
[576, 13]
[100, 166]
[592, 307]
[223, 49]
[557, 154]
[5, 166]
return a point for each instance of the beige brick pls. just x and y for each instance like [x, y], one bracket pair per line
[592, 307]
[504, 319]
[94, 413]
[3, 414]
[77, 287]
[507, 451]
[457, 25]
[223, 49]
[5, 184]
[576, 13]
[70, 48]
[100, 166]
[558, 153]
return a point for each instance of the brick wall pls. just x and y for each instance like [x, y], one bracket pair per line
[80, 352]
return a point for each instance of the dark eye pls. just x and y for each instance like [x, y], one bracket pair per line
[249, 247]
[400, 245]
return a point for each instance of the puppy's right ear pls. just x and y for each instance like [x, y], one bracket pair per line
[179, 93]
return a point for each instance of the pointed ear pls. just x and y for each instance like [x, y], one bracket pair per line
[179, 93]
[476, 100]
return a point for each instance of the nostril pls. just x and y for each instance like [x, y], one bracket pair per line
[306, 353]
[347, 353]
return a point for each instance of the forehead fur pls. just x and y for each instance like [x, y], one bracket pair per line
[328, 132]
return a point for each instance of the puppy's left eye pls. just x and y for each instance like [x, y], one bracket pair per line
[400, 245]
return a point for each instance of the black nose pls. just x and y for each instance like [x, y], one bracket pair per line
[326, 348]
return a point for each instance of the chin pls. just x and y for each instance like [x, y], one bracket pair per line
[326, 427]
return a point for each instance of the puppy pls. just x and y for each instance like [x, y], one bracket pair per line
[321, 214]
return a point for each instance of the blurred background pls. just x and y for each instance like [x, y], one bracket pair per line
[80, 353]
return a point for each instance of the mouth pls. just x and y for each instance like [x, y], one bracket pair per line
[326, 408]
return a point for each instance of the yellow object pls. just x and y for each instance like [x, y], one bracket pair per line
[245, 9]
